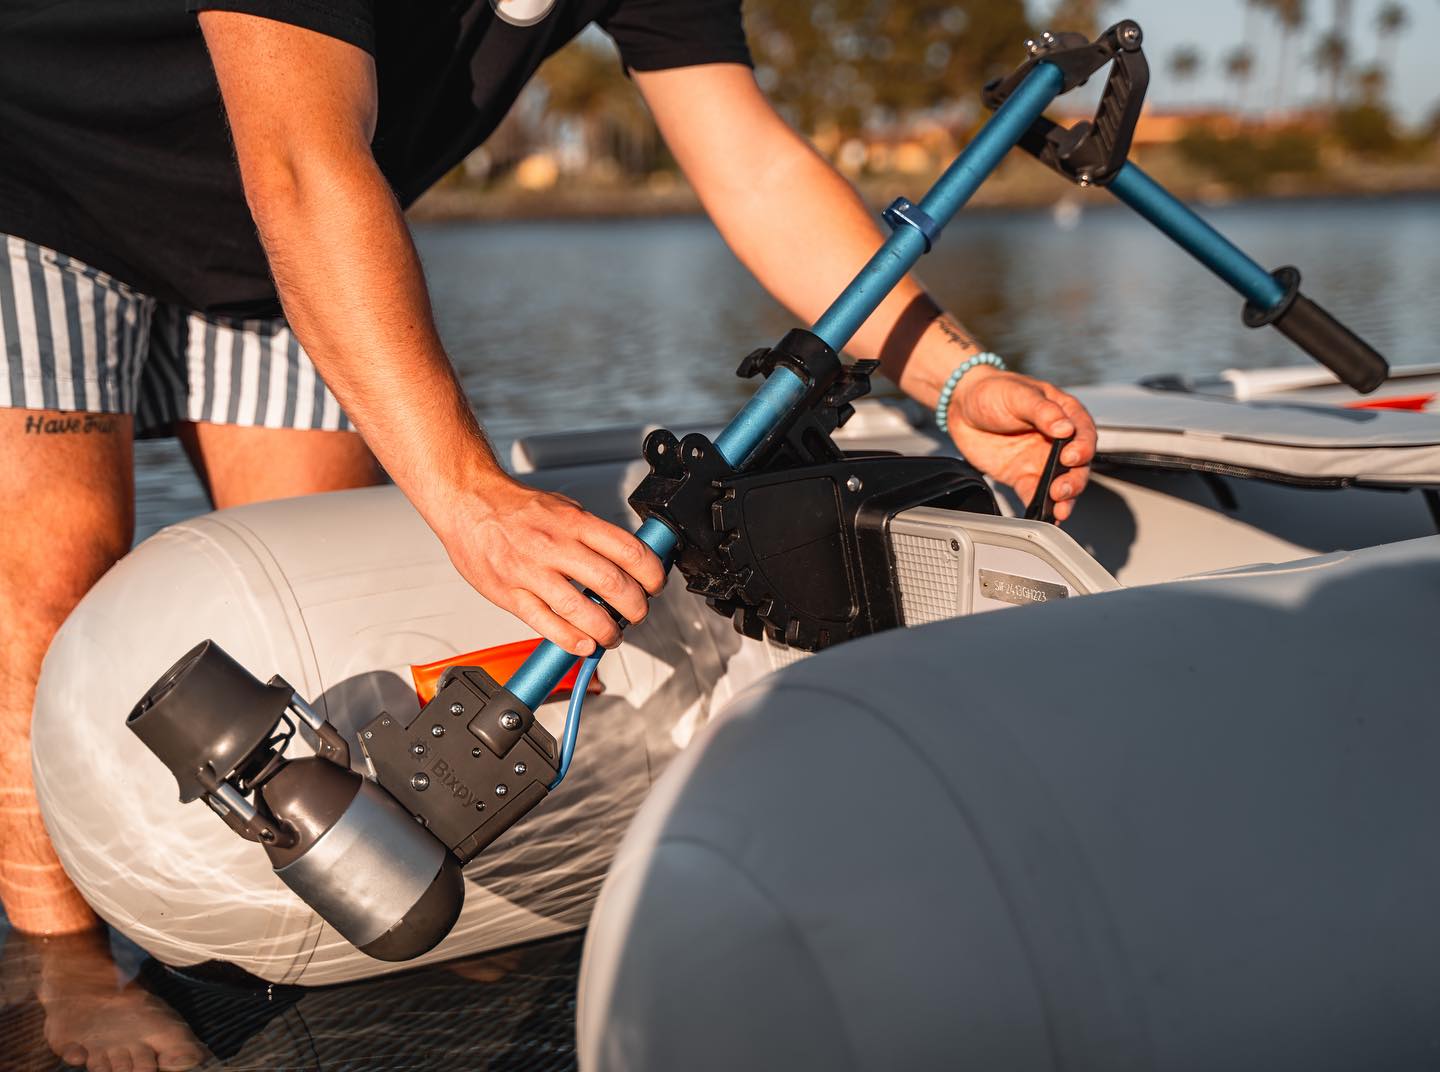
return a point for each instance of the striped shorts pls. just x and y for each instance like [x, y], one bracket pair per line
[77, 339]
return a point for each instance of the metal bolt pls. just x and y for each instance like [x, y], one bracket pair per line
[854, 483]
[954, 545]
[367, 735]
[267, 835]
[476, 752]
[417, 748]
[457, 708]
[479, 805]
[437, 731]
[1129, 33]
[519, 768]
[1048, 37]
[510, 720]
[384, 722]
[420, 782]
[501, 789]
[1032, 46]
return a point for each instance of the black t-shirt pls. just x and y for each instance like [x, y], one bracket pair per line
[113, 144]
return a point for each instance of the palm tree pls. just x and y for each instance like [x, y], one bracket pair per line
[1185, 63]
[1371, 83]
[1341, 25]
[1332, 57]
[1239, 69]
[1389, 21]
[1290, 16]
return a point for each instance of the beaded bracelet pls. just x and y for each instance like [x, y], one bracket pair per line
[942, 408]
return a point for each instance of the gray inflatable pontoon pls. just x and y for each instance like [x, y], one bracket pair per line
[1189, 826]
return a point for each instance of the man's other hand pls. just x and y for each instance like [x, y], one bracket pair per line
[521, 548]
[1005, 423]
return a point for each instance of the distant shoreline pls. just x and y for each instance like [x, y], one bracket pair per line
[1009, 192]
[504, 208]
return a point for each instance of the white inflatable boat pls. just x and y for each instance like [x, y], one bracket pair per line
[343, 593]
[1172, 808]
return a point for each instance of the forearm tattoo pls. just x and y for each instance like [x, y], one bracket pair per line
[957, 335]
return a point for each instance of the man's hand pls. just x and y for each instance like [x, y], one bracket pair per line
[1004, 424]
[520, 547]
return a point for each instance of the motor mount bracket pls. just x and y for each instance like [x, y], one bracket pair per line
[794, 545]
[471, 764]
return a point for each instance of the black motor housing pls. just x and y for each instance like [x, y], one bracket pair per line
[341, 841]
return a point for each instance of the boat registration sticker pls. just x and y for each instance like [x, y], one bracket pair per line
[1011, 588]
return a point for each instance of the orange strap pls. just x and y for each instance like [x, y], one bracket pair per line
[499, 662]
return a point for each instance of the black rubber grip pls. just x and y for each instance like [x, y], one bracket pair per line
[1042, 507]
[1333, 345]
[1321, 336]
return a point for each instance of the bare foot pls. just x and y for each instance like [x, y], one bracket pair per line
[96, 1020]
[489, 969]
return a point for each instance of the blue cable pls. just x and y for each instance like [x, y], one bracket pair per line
[572, 713]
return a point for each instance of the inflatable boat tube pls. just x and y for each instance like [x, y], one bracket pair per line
[1184, 828]
[340, 594]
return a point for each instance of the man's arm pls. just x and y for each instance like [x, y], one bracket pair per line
[302, 112]
[804, 233]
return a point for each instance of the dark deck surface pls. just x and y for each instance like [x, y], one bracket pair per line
[511, 1010]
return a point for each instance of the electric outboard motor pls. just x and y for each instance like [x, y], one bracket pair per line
[377, 858]
[777, 526]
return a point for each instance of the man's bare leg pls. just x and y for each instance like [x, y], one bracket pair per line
[241, 465]
[66, 516]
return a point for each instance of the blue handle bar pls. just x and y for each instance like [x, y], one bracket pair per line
[1196, 237]
[540, 673]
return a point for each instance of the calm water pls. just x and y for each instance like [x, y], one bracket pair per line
[568, 325]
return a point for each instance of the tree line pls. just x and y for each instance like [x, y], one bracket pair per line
[1354, 62]
[848, 65]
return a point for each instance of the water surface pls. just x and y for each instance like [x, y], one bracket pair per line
[566, 325]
